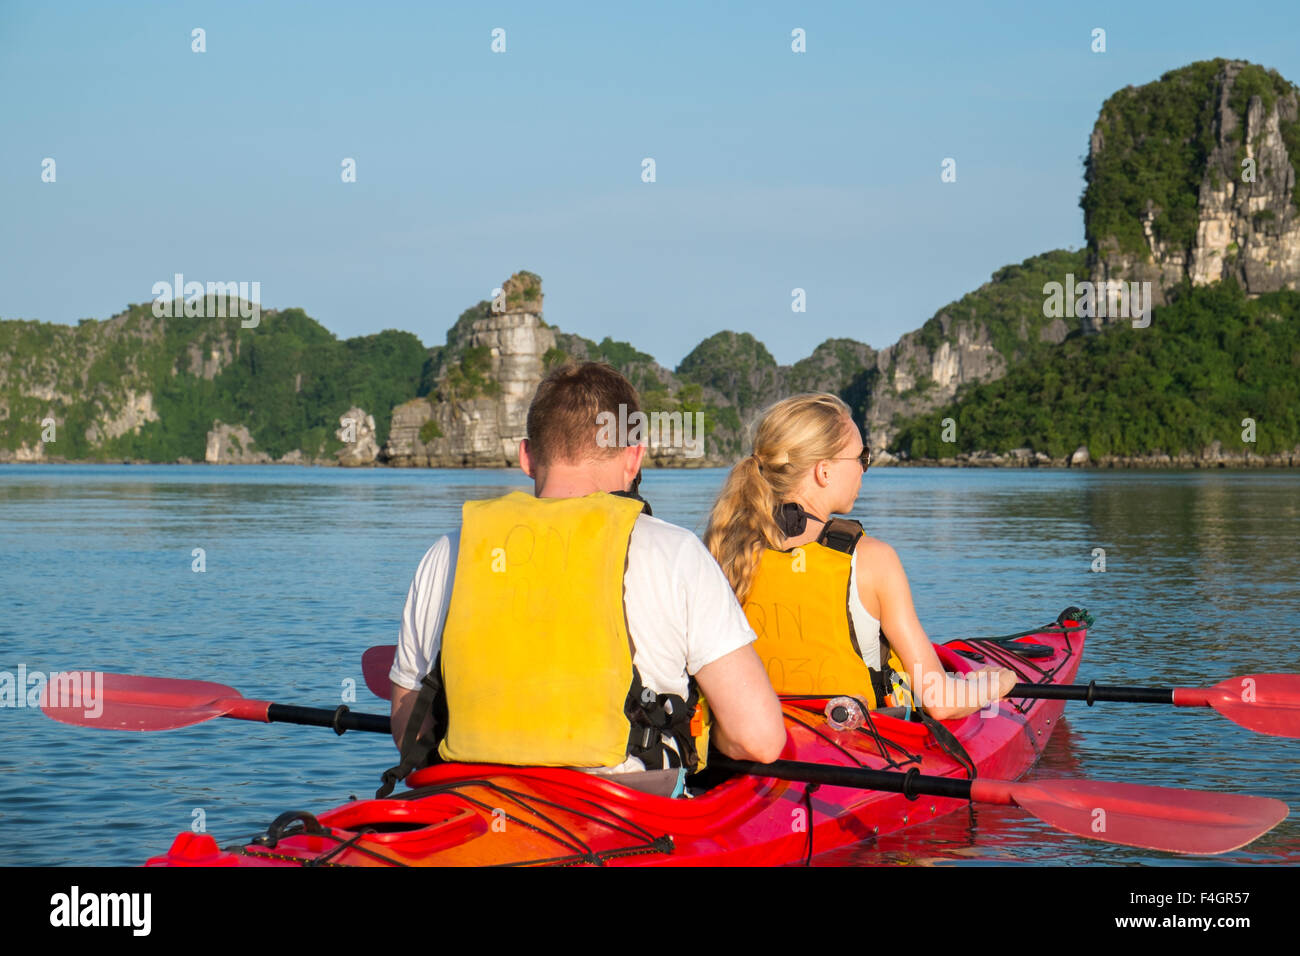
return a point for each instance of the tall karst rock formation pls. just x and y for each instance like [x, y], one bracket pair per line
[485, 378]
[1194, 178]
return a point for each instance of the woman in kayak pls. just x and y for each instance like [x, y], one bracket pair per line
[820, 594]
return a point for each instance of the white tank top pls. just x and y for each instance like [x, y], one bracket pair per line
[866, 627]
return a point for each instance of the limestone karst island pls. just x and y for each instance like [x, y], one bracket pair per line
[1172, 338]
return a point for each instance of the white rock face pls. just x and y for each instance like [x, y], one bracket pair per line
[357, 432]
[972, 359]
[24, 454]
[135, 412]
[1054, 332]
[46, 394]
[232, 445]
[208, 363]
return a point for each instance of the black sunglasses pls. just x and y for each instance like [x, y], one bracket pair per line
[863, 459]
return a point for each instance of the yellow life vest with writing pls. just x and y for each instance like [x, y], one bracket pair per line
[798, 606]
[536, 659]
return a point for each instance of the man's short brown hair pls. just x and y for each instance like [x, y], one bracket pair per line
[562, 420]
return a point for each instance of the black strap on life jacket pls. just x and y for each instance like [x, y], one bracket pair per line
[655, 718]
[635, 494]
[420, 749]
[841, 534]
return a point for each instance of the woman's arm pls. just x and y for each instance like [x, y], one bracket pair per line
[942, 695]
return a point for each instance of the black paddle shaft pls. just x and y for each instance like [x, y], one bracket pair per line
[1090, 693]
[340, 719]
[911, 784]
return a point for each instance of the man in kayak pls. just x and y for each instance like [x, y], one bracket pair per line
[571, 628]
[821, 594]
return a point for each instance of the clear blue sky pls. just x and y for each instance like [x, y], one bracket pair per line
[775, 170]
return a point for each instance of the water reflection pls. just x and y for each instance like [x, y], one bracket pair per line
[305, 568]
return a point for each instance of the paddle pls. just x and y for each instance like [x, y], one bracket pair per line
[1158, 818]
[1267, 703]
[376, 662]
[1153, 818]
[127, 702]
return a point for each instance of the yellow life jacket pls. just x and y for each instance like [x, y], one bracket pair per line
[798, 605]
[536, 666]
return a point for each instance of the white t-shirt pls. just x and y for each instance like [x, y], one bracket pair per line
[681, 612]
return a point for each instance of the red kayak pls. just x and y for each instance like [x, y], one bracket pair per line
[476, 814]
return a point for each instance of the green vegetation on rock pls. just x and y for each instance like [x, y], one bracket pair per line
[737, 365]
[1155, 142]
[429, 431]
[1209, 360]
[470, 377]
[289, 380]
[1010, 306]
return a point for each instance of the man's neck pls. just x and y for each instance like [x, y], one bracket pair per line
[565, 482]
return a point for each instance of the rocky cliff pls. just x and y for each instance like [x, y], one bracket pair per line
[484, 376]
[150, 388]
[968, 342]
[232, 445]
[475, 413]
[475, 417]
[1192, 178]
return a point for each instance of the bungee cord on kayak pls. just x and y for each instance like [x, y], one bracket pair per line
[868, 728]
[567, 837]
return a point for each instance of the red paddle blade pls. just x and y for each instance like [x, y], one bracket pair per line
[1264, 703]
[126, 702]
[376, 662]
[1154, 818]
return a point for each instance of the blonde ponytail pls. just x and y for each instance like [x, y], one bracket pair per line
[742, 524]
[791, 437]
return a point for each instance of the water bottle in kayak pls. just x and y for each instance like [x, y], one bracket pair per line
[845, 713]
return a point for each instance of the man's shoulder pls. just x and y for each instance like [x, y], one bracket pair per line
[668, 552]
[660, 534]
[440, 559]
[445, 546]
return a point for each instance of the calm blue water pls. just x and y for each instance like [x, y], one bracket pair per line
[306, 568]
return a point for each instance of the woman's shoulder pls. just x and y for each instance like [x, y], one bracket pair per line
[874, 553]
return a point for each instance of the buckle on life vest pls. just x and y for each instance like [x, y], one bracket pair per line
[900, 693]
[697, 719]
[657, 718]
